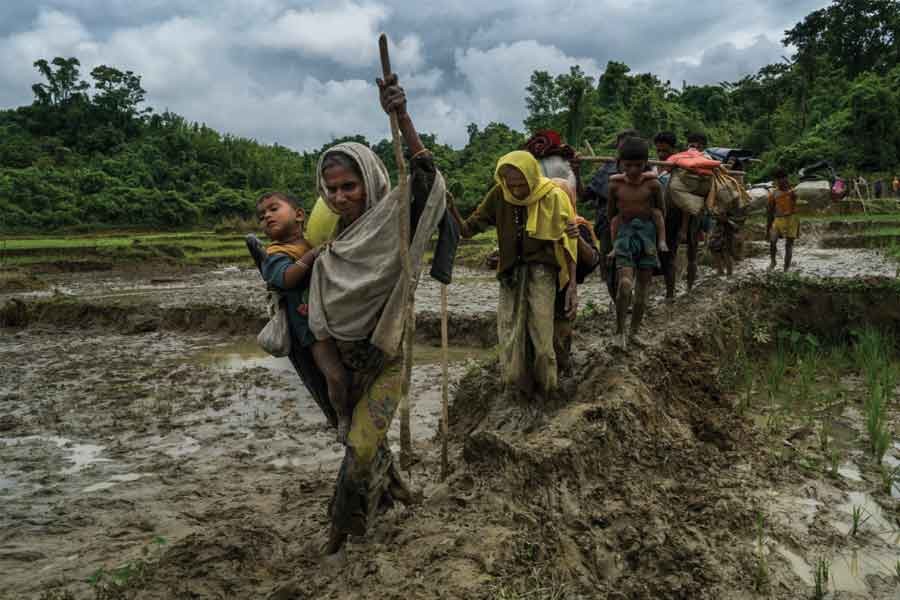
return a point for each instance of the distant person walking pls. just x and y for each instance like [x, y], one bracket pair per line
[879, 189]
[782, 219]
[896, 186]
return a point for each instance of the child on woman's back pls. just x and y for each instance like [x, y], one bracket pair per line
[287, 266]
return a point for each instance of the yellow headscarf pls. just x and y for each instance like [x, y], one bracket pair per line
[549, 208]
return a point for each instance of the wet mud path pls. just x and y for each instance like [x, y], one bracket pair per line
[130, 436]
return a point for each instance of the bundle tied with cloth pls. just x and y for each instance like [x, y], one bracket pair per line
[699, 182]
[357, 290]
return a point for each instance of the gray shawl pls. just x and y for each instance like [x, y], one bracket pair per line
[357, 290]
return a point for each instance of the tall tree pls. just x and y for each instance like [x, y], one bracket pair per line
[62, 83]
[543, 101]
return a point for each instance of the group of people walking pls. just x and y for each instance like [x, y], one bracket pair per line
[339, 273]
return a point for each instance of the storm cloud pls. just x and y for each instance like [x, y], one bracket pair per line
[301, 73]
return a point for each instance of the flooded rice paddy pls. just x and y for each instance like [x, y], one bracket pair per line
[175, 444]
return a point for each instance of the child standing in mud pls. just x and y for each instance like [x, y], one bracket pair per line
[287, 266]
[537, 258]
[636, 201]
[782, 221]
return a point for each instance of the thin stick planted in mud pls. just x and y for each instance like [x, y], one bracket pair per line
[409, 316]
[445, 385]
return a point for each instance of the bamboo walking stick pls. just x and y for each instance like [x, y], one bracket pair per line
[409, 317]
[445, 385]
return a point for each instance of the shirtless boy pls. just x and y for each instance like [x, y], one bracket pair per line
[635, 198]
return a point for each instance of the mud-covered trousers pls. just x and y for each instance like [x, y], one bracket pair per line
[367, 473]
[525, 316]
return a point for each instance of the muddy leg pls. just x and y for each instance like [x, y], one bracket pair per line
[669, 277]
[729, 264]
[788, 253]
[773, 251]
[541, 295]
[661, 244]
[644, 277]
[692, 260]
[327, 358]
[719, 261]
[669, 259]
[623, 301]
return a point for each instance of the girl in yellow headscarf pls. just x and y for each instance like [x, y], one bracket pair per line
[530, 213]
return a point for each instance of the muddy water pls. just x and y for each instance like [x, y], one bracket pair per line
[834, 262]
[113, 435]
[811, 520]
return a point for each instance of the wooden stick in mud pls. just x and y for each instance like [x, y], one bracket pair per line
[409, 316]
[445, 385]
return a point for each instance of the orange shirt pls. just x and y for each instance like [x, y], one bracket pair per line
[783, 204]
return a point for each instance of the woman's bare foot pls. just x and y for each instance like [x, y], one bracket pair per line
[663, 247]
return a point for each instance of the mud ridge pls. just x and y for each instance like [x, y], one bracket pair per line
[478, 330]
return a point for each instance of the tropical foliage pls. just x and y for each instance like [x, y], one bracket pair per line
[89, 153]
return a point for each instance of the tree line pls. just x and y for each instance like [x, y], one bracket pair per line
[90, 154]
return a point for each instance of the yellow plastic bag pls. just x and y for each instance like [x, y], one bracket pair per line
[322, 224]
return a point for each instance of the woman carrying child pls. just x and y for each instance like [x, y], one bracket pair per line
[356, 298]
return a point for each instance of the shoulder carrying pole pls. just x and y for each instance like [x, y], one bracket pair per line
[652, 163]
[409, 312]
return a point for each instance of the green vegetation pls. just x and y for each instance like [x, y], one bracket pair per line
[821, 578]
[88, 154]
[837, 98]
[860, 516]
[84, 157]
[184, 248]
[761, 569]
[807, 380]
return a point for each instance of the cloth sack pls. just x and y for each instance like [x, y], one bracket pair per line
[688, 191]
[275, 337]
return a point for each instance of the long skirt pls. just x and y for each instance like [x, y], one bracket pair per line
[525, 328]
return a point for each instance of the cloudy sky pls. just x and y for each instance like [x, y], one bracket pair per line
[300, 72]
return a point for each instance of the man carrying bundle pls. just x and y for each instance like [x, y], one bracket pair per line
[686, 194]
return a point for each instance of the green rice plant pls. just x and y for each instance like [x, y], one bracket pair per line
[747, 385]
[821, 578]
[761, 572]
[825, 435]
[876, 422]
[871, 353]
[888, 478]
[834, 459]
[897, 569]
[807, 368]
[775, 371]
[860, 516]
[838, 361]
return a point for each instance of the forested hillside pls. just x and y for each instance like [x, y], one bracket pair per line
[88, 153]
